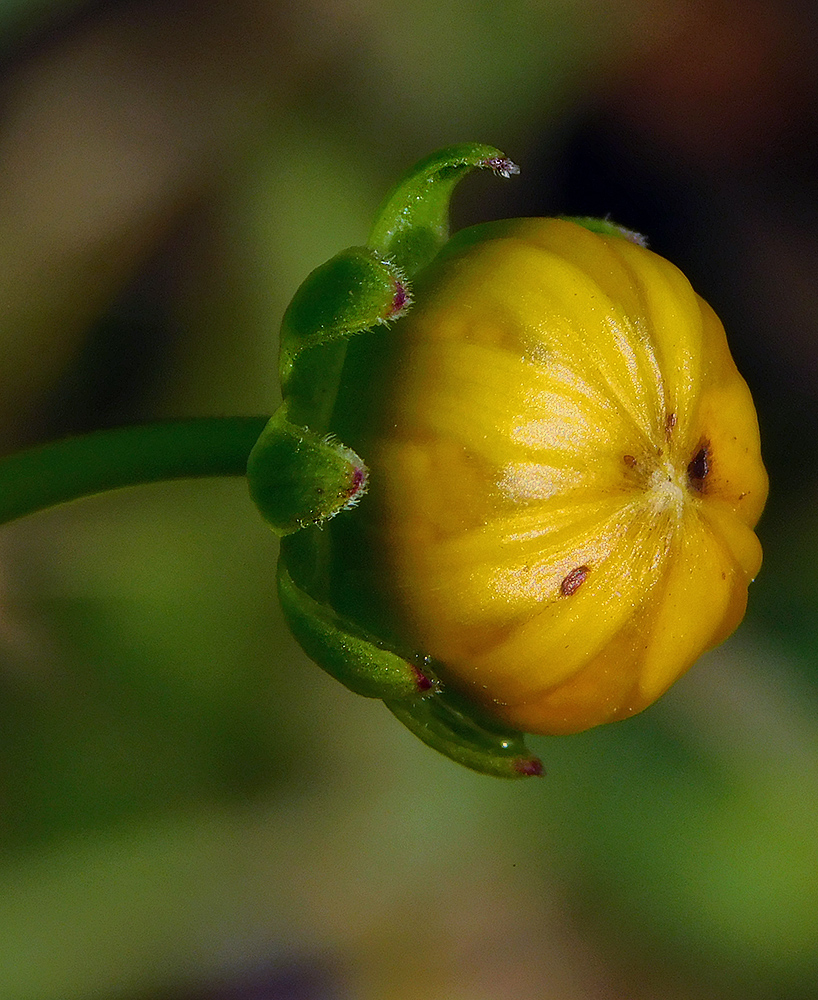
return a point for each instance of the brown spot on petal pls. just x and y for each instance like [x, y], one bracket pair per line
[574, 580]
[699, 469]
[670, 423]
[630, 461]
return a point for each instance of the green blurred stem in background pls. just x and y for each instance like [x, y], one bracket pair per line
[93, 463]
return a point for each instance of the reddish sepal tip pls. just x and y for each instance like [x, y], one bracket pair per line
[425, 684]
[357, 486]
[502, 166]
[640, 240]
[400, 301]
[531, 767]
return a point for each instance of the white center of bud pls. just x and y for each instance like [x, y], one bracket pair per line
[667, 490]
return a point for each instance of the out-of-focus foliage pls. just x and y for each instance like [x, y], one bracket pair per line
[183, 798]
[20, 18]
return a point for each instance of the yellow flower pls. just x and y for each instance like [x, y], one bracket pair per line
[564, 474]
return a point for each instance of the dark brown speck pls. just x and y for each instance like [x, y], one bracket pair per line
[574, 580]
[699, 469]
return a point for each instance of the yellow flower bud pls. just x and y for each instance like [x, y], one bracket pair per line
[564, 474]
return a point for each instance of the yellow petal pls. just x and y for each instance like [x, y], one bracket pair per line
[565, 474]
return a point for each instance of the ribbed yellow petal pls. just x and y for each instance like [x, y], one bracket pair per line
[565, 474]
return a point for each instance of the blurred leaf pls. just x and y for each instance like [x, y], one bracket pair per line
[694, 833]
[163, 684]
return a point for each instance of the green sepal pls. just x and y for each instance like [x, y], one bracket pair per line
[358, 660]
[604, 227]
[412, 223]
[355, 290]
[454, 727]
[298, 477]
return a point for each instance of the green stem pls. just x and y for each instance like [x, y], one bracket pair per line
[126, 456]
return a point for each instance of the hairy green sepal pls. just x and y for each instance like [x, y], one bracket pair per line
[412, 224]
[451, 726]
[300, 476]
[605, 227]
[351, 655]
[355, 290]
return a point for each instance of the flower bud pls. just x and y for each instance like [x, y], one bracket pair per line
[564, 475]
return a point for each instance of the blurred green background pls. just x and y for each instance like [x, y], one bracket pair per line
[188, 809]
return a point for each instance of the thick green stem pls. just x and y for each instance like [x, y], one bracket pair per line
[126, 456]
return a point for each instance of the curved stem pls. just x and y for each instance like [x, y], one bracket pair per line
[82, 466]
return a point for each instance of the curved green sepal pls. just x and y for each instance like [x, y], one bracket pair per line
[353, 291]
[412, 223]
[453, 727]
[298, 478]
[607, 228]
[349, 655]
